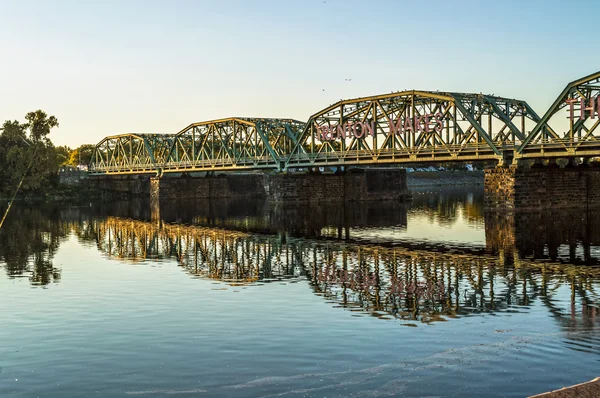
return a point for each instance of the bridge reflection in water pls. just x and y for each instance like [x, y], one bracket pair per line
[386, 281]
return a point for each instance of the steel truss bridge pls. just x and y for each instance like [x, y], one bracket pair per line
[402, 127]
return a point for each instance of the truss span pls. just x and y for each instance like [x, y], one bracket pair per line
[131, 153]
[225, 144]
[402, 127]
[413, 126]
[233, 144]
[576, 112]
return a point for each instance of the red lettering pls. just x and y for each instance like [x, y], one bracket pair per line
[589, 108]
[408, 124]
[426, 119]
[340, 131]
[571, 102]
[418, 123]
[350, 130]
[370, 127]
[321, 132]
[362, 130]
[439, 122]
[396, 127]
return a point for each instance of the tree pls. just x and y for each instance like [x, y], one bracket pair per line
[63, 154]
[25, 148]
[82, 155]
[39, 124]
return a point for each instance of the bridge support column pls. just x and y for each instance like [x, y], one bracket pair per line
[538, 187]
[209, 187]
[356, 184]
[120, 186]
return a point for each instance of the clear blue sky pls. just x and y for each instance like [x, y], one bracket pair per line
[108, 67]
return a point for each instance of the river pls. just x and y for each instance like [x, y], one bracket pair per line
[436, 297]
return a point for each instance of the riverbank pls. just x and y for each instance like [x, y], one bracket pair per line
[590, 389]
[419, 179]
[60, 193]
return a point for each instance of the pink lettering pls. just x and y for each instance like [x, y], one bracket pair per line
[321, 132]
[439, 122]
[418, 124]
[408, 125]
[396, 127]
[370, 128]
[340, 131]
[589, 108]
[426, 119]
[362, 130]
[571, 102]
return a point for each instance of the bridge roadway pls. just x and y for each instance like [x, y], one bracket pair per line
[410, 284]
[395, 128]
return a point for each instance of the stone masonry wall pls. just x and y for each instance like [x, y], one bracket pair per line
[229, 186]
[369, 184]
[117, 186]
[514, 188]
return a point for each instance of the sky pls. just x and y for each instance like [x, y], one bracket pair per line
[112, 67]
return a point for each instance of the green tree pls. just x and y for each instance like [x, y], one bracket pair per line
[25, 148]
[40, 124]
[63, 154]
[81, 155]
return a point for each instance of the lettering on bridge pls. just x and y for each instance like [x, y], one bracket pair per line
[425, 123]
[585, 110]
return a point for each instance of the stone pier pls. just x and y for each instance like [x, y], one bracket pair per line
[121, 186]
[358, 185]
[517, 188]
[212, 187]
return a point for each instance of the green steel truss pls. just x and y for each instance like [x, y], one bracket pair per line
[402, 127]
[234, 143]
[225, 144]
[131, 153]
[581, 136]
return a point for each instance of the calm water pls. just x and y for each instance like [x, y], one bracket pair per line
[236, 299]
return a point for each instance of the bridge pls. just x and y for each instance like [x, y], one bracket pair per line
[395, 128]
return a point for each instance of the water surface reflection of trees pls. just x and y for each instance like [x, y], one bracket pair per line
[448, 205]
[28, 241]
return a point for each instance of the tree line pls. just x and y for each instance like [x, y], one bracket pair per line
[25, 149]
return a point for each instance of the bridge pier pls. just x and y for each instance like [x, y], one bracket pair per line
[121, 186]
[542, 186]
[209, 187]
[361, 184]
[353, 185]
